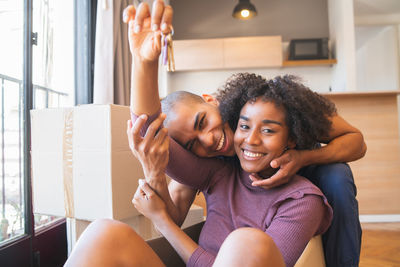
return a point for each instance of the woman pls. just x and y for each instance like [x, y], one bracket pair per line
[246, 225]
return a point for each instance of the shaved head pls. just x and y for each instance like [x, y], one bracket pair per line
[169, 103]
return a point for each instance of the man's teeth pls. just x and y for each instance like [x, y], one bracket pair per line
[221, 142]
[252, 155]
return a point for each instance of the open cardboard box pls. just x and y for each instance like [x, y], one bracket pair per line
[82, 166]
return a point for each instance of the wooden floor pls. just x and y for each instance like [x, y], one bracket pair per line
[380, 245]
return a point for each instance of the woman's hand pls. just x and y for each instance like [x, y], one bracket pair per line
[289, 164]
[144, 30]
[152, 149]
[148, 203]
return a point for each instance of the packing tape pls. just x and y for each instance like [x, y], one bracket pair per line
[68, 164]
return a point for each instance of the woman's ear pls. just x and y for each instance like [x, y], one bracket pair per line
[210, 99]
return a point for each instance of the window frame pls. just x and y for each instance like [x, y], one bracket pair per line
[39, 248]
[19, 250]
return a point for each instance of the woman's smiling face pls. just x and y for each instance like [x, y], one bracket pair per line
[261, 136]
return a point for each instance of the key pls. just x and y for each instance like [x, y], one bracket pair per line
[167, 52]
[171, 60]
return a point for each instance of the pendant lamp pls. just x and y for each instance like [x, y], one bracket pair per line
[244, 10]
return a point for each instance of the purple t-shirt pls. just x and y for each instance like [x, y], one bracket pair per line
[290, 214]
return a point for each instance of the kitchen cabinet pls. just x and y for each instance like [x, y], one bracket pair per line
[235, 53]
[199, 54]
[228, 53]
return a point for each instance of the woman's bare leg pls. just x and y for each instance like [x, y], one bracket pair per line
[112, 243]
[249, 247]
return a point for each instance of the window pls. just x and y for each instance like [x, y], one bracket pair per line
[12, 183]
[36, 71]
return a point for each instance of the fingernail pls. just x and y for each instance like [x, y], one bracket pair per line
[143, 116]
[137, 28]
[154, 27]
[164, 26]
[141, 182]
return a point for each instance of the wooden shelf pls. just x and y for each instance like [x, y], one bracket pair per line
[313, 62]
[362, 93]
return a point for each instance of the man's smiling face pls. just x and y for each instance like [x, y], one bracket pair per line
[199, 128]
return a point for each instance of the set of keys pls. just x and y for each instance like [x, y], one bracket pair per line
[167, 51]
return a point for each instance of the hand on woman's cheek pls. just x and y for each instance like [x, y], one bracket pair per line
[289, 164]
[147, 202]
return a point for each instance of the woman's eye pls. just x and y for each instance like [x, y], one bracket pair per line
[244, 126]
[267, 131]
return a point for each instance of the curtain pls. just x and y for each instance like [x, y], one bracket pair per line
[112, 61]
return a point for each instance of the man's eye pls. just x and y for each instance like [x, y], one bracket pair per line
[190, 146]
[244, 126]
[201, 123]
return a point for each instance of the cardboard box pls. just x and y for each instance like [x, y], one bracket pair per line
[143, 226]
[82, 166]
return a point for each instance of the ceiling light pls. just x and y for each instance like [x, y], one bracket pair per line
[244, 10]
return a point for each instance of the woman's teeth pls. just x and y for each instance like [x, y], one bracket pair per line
[221, 142]
[251, 154]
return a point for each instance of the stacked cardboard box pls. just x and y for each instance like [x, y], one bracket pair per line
[82, 166]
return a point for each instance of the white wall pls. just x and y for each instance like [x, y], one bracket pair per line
[341, 34]
[377, 58]
[202, 19]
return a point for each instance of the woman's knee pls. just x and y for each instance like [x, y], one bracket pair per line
[112, 243]
[103, 234]
[249, 247]
[111, 228]
[249, 235]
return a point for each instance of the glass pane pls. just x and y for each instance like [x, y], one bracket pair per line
[53, 62]
[11, 139]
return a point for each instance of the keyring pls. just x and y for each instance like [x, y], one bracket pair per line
[167, 51]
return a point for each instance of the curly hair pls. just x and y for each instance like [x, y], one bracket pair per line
[307, 113]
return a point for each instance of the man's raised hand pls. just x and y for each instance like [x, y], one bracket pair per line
[145, 29]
